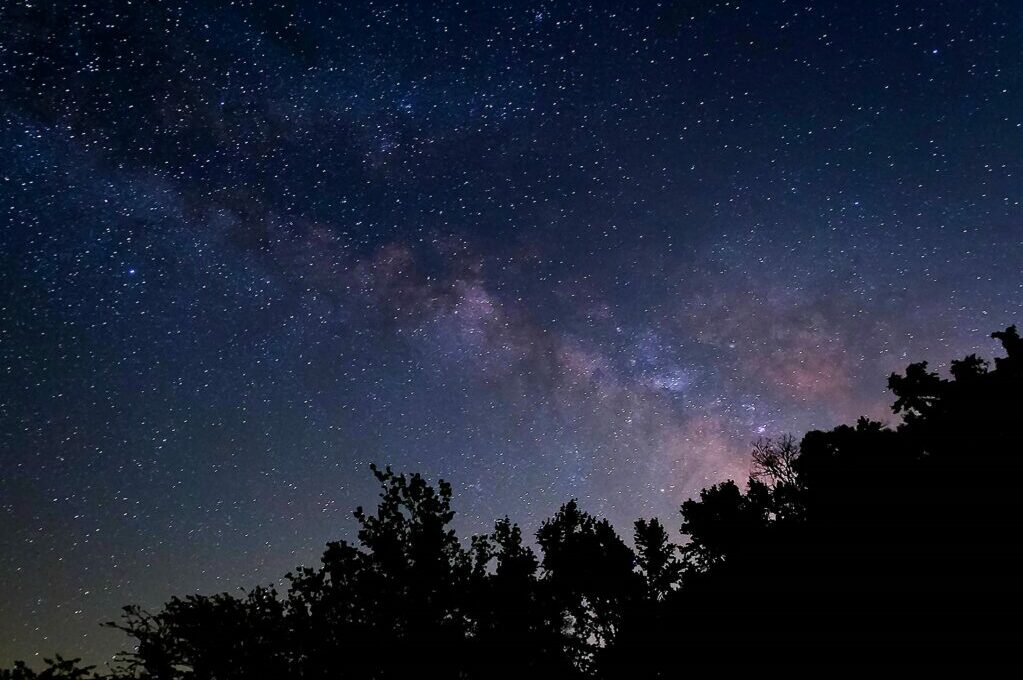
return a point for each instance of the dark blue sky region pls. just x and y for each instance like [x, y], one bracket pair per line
[542, 249]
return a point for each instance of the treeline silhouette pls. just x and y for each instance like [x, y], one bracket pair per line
[864, 544]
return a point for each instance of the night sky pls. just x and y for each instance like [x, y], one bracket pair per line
[543, 250]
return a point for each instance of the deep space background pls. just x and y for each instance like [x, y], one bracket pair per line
[540, 249]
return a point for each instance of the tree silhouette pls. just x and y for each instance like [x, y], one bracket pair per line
[519, 625]
[862, 544]
[657, 559]
[57, 668]
[589, 574]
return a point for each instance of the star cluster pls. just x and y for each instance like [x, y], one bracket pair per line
[541, 249]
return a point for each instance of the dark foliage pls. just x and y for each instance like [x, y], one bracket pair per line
[864, 544]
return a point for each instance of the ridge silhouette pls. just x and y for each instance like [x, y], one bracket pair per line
[862, 544]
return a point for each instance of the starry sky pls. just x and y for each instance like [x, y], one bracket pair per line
[541, 249]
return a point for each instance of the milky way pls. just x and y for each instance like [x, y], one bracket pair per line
[543, 250]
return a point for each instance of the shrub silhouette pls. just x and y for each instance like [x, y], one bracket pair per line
[859, 544]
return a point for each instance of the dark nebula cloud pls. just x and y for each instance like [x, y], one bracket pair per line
[542, 249]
